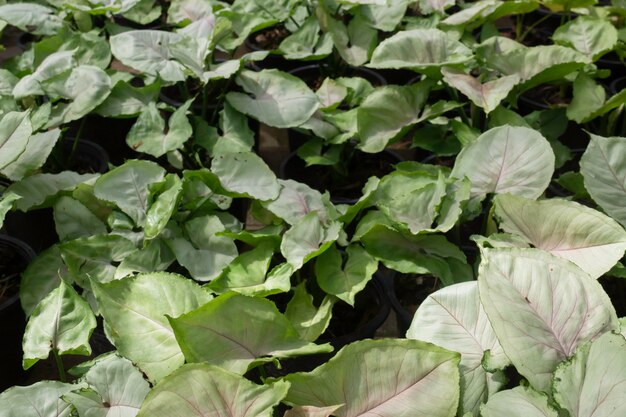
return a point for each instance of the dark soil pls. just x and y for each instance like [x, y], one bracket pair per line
[268, 39]
[87, 158]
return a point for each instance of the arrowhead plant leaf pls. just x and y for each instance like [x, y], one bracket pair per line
[396, 377]
[541, 308]
[200, 389]
[592, 382]
[518, 402]
[422, 50]
[454, 318]
[63, 321]
[127, 186]
[569, 230]
[135, 309]
[485, 95]
[236, 332]
[115, 387]
[279, 99]
[603, 166]
[42, 399]
[507, 159]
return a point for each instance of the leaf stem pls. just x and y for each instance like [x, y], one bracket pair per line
[59, 362]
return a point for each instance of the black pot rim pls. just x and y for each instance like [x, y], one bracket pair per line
[371, 326]
[613, 87]
[282, 173]
[87, 147]
[27, 253]
[311, 67]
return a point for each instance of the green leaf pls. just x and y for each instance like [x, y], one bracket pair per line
[62, 322]
[237, 333]
[279, 99]
[126, 100]
[41, 277]
[295, 201]
[127, 186]
[73, 220]
[306, 42]
[247, 272]
[94, 257]
[422, 50]
[454, 319]
[569, 230]
[486, 96]
[15, 129]
[435, 6]
[246, 174]
[167, 55]
[308, 320]
[308, 238]
[236, 135]
[422, 254]
[331, 94]
[135, 312]
[416, 378]
[588, 97]
[32, 17]
[541, 308]
[385, 17]
[592, 383]
[39, 189]
[518, 402]
[603, 166]
[345, 282]
[411, 199]
[85, 87]
[55, 66]
[507, 159]
[354, 42]
[589, 35]
[205, 254]
[165, 197]
[116, 387]
[178, 395]
[150, 135]
[38, 148]
[42, 399]
[535, 65]
[387, 110]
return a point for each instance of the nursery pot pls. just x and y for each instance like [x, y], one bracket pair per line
[15, 256]
[269, 39]
[314, 74]
[36, 227]
[343, 189]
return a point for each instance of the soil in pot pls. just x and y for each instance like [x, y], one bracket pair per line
[267, 39]
[344, 186]
[176, 95]
[14, 258]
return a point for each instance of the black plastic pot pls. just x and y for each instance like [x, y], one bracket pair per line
[36, 227]
[310, 74]
[618, 85]
[12, 318]
[273, 60]
[109, 134]
[349, 190]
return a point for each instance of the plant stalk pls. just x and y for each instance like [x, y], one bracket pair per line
[59, 362]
